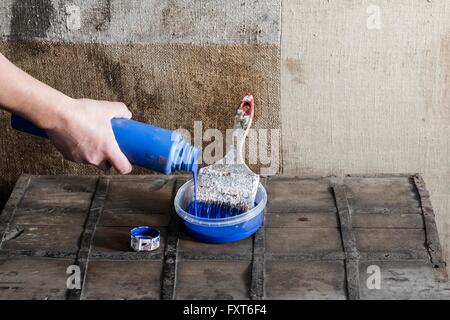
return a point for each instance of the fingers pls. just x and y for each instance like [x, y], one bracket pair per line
[120, 110]
[118, 159]
[115, 156]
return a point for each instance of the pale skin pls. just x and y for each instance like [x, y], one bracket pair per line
[79, 128]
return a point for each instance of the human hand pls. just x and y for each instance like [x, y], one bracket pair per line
[82, 132]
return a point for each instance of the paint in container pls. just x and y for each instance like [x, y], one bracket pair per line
[223, 224]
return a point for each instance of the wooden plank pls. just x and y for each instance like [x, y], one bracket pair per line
[132, 218]
[33, 278]
[51, 216]
[294, 194]
[305, 280]
[301, 219]
[55, 238]
[59, 192]
[388, 211]
[307, 256]
[394, 192]
[150, 195]
[387, 220]
[303, 240]
[394, 256]
[391, 240]
[403, 280]
[38, 253]
[213, 280]
[123, 280]
[139, 202]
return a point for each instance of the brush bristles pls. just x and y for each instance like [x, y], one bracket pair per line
[231, 185]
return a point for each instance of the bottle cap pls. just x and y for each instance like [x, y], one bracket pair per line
[145, 238]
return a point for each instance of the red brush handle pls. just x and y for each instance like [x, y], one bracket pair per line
[247, 105]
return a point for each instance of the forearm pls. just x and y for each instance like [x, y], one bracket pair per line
[28, 97]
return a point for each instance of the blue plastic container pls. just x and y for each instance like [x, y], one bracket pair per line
[220, 230]
[144, 145]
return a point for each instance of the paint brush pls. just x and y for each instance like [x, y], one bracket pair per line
[229, 183]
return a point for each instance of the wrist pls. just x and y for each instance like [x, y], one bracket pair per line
[58, 114]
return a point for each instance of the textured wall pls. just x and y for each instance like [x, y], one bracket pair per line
[143, 21]
[359, 100]
[172, 62]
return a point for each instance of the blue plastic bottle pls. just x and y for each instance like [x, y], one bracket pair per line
[144, 145]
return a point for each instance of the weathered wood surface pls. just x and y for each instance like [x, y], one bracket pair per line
[319, 239]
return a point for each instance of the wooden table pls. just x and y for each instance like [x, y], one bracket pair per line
[323, 238]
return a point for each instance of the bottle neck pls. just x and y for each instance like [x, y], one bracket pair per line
[186, 157]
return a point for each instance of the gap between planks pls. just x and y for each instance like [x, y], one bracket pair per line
[170, 263]
[87, 237]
